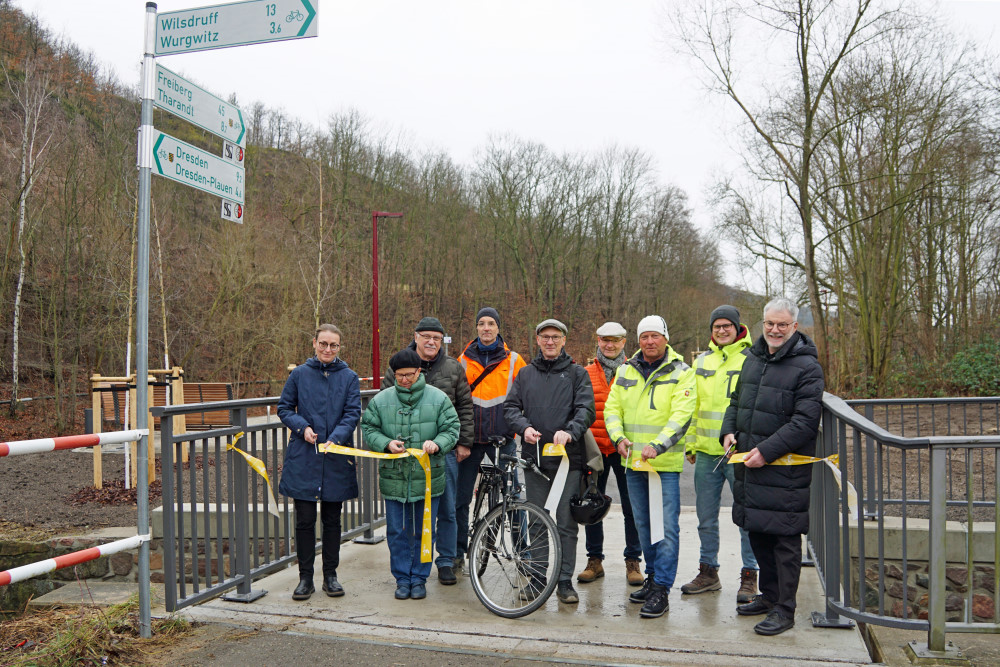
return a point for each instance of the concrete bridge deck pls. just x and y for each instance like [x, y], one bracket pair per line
[604, 628]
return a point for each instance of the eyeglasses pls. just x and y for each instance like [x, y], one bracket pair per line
[780, 326]
[722, 327]
[436, 339]
[323, 345]
[407, 377]
[551, 339]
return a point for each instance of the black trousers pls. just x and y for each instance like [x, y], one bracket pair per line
[305, 536]
[779, 558]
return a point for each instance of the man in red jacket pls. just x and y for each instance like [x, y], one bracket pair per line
[610, 355]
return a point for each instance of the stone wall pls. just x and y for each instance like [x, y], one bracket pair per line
[916, 591]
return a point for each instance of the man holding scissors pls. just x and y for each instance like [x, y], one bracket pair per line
[716, 372]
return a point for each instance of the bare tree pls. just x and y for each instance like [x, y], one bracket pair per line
[32, 136]
[817, 35]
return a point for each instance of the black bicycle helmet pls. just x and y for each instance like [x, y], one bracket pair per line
[590, 506]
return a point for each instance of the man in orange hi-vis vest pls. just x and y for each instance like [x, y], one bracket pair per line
[490, 367]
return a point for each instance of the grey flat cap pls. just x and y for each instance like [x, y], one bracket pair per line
[612, 329]
[551, 323]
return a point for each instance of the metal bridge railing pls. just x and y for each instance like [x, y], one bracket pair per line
[921, 550]
[217, 532]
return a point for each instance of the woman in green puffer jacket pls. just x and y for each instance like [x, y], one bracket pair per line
[410, 415]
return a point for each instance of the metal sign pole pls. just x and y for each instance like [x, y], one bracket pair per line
[147, 86]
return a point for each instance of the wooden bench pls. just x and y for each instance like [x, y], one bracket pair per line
[112, 405]
[207, 392]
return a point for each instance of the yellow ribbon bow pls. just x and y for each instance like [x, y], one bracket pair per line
[258, 465]
[831, 462]
[423, 458]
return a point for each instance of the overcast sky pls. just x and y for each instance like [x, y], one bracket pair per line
[573, 74]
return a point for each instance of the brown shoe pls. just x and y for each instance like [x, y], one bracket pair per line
[707, 580]
[748, 586]
[633, 572]
[594, 570]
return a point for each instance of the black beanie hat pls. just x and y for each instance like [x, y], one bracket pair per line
[405, 358]
[430, 324]
[725, 313]
[488, 312]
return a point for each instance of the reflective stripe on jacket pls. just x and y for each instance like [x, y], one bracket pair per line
[716, 372]
[601, 389]
[489, 395]
[655, 411]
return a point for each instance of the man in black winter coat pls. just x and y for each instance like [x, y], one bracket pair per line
[774, 411]
[552, 400]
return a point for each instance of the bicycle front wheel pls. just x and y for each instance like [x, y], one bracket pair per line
[518, 554]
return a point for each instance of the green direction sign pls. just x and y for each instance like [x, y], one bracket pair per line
[236, 24]
[192, 166]
[196, 105]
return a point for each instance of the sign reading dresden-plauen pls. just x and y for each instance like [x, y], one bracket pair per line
[236, 24]
[198, 106]
[192, 166]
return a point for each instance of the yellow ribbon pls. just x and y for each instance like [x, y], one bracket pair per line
[831, 462]
[655, 491]
[559, 482]
[423, 458]
[258, 465]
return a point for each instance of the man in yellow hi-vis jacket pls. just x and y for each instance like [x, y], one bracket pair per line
[716, 372]
[648, 413]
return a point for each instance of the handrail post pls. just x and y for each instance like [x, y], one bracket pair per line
[938, 556]
[240, 560]
[169, 526]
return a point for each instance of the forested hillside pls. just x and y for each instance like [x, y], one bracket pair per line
[533, 233]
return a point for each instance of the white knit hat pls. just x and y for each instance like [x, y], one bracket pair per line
[653, 323]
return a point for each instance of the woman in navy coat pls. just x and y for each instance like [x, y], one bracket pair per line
[321, 403]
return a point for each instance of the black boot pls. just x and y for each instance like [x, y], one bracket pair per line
[332, 587]
[304, 589]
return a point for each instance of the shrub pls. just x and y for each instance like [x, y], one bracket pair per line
[975, 371]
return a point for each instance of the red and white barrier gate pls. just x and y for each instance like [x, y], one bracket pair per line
[69, 442]
[41, 567]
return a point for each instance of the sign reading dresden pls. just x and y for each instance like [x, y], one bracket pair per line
[198, 106]
[236, 24]
[192, 166]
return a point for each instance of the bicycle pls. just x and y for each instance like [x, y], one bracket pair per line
[294, 15]
[514, 554]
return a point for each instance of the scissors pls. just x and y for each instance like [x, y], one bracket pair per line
[725, 457]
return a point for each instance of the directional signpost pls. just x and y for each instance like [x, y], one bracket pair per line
[236, 24]
[198, 29]
[198, 106]
[192, 166]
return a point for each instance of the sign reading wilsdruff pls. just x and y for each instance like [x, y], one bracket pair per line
[236, 24]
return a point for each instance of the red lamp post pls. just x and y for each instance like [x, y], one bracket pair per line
[376, 373]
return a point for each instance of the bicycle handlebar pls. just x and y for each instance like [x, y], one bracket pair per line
[527, 464]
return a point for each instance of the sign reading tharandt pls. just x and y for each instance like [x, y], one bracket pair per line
[192, 166]
[198, 106]
[236, 24]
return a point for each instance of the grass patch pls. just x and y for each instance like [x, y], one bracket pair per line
[85, 636]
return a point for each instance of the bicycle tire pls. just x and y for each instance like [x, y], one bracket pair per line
[519, 574]
[482, 559]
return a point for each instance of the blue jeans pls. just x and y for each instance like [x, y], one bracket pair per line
[708, 497]
[661, 558]
[403, 524]
[447, 529]
[595, 533]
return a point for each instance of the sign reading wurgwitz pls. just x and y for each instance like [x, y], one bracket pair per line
[236, 24]
[184, 163]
